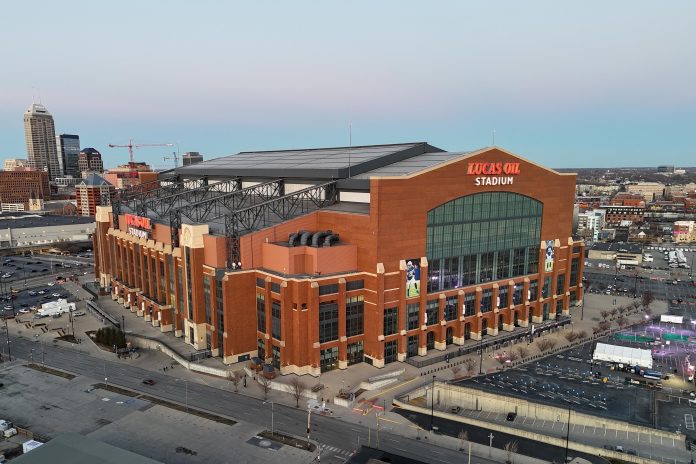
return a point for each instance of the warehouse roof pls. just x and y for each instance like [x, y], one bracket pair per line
[23, 221]
[312, 163]
[618, 247]
[79, 449]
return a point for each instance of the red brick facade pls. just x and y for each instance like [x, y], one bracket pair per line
[373, 248]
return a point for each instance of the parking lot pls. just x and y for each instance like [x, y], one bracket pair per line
[16, 270]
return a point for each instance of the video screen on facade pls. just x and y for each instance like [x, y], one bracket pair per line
[412, 277]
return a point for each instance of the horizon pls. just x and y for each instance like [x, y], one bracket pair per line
[559, 84]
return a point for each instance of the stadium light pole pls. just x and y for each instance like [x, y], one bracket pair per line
[432, 404]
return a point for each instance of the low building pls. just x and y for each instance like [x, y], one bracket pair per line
[93, 191]
[18, 230]
[615, 215]
[622, 253]
[133, 173]
[649, 190]
[628, 199]
[13, 163]
[684, 232]
[590, 223]
[21, 186]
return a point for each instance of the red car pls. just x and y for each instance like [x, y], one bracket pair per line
[149, 382]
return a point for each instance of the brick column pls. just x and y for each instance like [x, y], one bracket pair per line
[440, 339]
[342, 339]
[524, 321]
[458, 338]
[477, 311]
[313, 339]
[496, 311]
[509, 323]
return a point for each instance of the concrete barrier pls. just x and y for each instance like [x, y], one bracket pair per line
[477, 400]
[542, 438]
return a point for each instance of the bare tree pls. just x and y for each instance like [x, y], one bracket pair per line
[570, 335]
[469, 364]
[265, 385]
[647, 298]
[456, 368]
[614, 312]
[622, 321]
[604, 326]
[604, 314]
[546, 344]
[513, 356]
[237, 377]
[582, 334]
[463, 436]
[297, 389]
[501, 358]
[523, 351]
[511, 448]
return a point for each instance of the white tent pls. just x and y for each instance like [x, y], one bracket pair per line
[672, 319]
[623, 355]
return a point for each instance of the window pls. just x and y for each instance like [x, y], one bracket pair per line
[533, 291]
[355, 309]
[390, 351]
[574, 265]
[412, 346]
[487, 300]
[451, 308]
[547, 287]
[187, 262]
[328, 289]
[172, 288]
[161, 295]
[206, 298]
[432, 308]
[355, 285]
[328, 321]
[503, 297]
[260, 282]
[180, 289]
[220, 311]
[275, 287]
[560, 284]
[482, 237]
[517, 294]
[275, 356]
[355, 352]
[261, 348]
[275, 319]
[391, 321]
[328, 359]
[469, 302]
[260, 312]
[412, 311]
[559, 306]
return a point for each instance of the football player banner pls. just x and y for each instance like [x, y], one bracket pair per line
[412, 277]
[548, 263]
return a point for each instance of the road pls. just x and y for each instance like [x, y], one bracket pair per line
[327, 431]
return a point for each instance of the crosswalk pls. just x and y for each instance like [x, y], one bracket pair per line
[336, 451]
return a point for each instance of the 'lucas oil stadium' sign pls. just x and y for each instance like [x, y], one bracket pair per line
[493, 173]
[138, 225]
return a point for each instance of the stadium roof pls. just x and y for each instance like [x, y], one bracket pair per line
[312, 163]
[22, 221]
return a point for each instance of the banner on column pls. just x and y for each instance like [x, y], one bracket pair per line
[548, 263]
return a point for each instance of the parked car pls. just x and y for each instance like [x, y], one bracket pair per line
[149, 382]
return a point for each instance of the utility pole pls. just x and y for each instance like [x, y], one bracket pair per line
[309, 424]
[567, 436]
[490, 444]
[432, 404]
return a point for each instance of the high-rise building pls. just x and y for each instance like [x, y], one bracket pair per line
[93, 191]
[68, 146]
[89, 160]
[191, 157]
[13, 163]
[40, 134]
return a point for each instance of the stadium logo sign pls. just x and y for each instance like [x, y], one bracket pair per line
[138, 225]
[493, 173]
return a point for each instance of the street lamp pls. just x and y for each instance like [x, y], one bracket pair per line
[272, 407]
[432, 404]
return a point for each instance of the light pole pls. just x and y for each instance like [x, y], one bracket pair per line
[567, 437]
[432, 404]
[7, 333]
[481, 345]
[309, 423]
[272, 407]
[490, 444]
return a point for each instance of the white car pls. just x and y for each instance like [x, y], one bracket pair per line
[51, 284]
[57, 295]
[24, 310]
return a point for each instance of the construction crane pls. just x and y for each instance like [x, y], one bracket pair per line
[130, 146]
[175, 157]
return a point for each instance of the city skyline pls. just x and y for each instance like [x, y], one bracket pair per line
[567, 85]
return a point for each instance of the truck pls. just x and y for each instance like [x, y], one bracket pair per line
[55, 308]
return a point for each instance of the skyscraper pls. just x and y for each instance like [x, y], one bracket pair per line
[68, 146]
[40, 135]
[192, 157]
[89, 160]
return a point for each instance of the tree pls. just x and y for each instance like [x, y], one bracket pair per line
[582, 334]
[570, 335]
[604, 326]
[237, 377]
[546, 344]
[647, 298]
[469, 364]
[511, 448]
[513, 356]
[265, 385]
[622, 321]
[614, 312]
[604, 314]
[523, 351]
[456, 368]
[297, 389]
[463, 436]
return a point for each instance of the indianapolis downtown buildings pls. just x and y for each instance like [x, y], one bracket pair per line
[317, 259]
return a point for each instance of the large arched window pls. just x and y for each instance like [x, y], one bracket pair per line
[482, 237]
